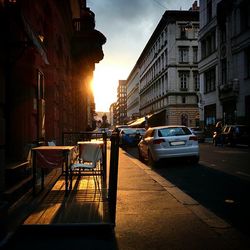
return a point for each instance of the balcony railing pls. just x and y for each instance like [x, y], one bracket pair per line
[231, 89]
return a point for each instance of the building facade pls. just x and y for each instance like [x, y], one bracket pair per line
[133, 100]
[224, 63]
[168, 71]
[47, 62]
[121, 104]
[112, 114]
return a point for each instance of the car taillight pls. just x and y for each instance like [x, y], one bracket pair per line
[193, 138]
[158, 141]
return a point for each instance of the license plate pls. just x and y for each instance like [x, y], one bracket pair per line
[177, 143]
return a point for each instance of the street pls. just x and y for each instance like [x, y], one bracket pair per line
[220, 182]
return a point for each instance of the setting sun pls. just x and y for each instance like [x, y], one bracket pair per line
[105, 84]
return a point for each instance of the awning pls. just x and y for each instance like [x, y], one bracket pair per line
[139, 122]
[157, 119]
[154, 119]
[35, 40]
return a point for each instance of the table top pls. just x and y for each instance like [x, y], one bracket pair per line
[63, 148]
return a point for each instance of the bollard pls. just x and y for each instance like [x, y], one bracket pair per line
[113, 176]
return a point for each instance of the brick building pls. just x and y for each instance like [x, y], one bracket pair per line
[48, 54]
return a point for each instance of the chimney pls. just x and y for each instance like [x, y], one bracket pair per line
[195, 6]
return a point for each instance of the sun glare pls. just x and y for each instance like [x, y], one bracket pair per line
[105, 84]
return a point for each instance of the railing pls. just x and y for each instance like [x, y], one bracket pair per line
[71, 138]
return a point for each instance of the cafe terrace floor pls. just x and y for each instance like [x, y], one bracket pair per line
[84, 204]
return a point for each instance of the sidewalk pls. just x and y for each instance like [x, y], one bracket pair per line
[154, 214]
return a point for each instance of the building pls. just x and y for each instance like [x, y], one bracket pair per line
[112, 114]
[133, 100]
[46, 65]
[121, 104]
[224, 65]
[168, 71]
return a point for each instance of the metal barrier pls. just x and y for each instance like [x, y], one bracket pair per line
[113, 175]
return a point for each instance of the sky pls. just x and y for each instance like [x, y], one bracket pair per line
[127, 25]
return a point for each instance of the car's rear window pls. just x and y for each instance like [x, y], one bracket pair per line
[175, 131]
[129, 131]
[141, 131]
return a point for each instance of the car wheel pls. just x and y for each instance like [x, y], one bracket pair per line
[151, 161]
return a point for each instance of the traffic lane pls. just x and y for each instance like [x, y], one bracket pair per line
[231, 160]
[224, 194]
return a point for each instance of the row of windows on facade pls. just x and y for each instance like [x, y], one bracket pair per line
[147, 108]
[184, 84]
[160, 87]
[162, 62]
[208, 44]
[210, 75]
[162, 41]
[132, 104]
[242, 12]
[121, 88]
[123, 94]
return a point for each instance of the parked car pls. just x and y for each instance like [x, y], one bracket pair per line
[129, 136]
[236, 134]
[168, 142]
[141, 131]
[119, 127]
[199, 133]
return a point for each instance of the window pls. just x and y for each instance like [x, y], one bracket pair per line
[195, 54]
[184, 119]
[213, 44]
[224, 71]
[183, 99]
[183, 34]
[247, 62]
[183, 80]
[183, 55]
[210, 80]
[209, 10]
[196, 30]
[196, 81]
[223, 33]
[208, 45]
[166, 57]
[244, 15]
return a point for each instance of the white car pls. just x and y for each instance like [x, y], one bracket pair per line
[168, 142]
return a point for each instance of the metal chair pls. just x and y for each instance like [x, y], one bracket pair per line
[89, 161]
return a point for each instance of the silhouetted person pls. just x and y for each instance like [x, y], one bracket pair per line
[218, 134]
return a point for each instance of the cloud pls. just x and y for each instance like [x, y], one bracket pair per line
[128, 25]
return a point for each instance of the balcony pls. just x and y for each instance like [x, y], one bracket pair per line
[87, 41]
[229, 90]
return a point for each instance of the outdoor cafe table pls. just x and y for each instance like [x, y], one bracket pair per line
[48, 157]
